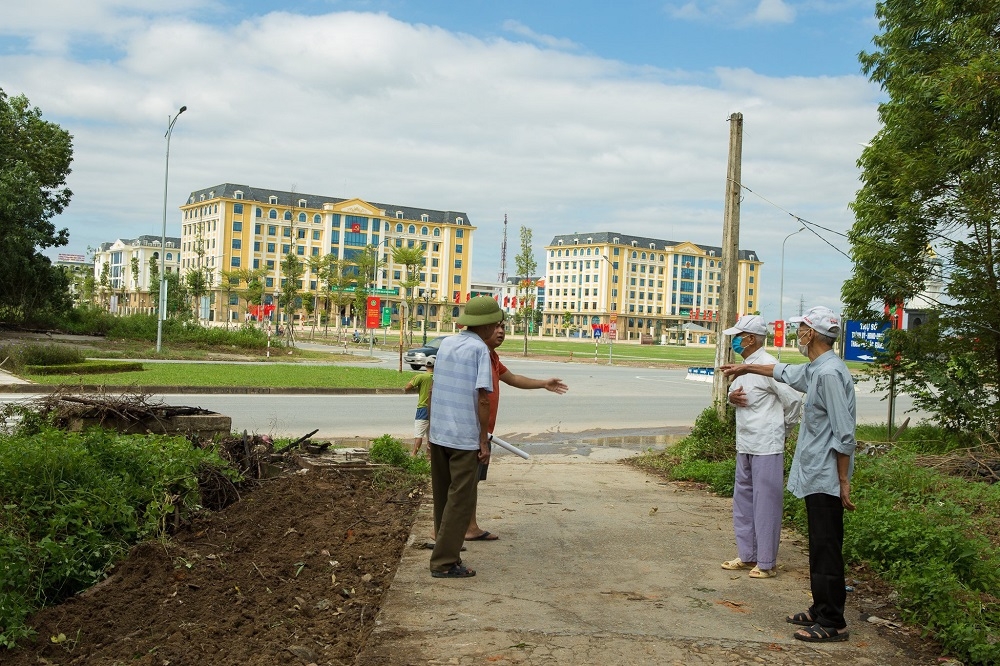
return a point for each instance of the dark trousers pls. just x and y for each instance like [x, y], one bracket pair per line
[454, 475]
[826, 559]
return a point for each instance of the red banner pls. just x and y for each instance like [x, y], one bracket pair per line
[373, 315]
[779, 333]
[260, 311]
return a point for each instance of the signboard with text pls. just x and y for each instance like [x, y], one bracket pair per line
[374, 312]
[863, 339]
[779, 333]
[380, 291]
[386, 316]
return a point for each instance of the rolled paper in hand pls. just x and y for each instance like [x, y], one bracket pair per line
[510, 447]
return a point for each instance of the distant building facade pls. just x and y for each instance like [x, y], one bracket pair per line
[230, 227]
[122, 271]
[638, 285]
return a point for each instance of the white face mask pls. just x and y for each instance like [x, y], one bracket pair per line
[804, 348]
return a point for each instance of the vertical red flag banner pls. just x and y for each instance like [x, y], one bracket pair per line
[779, 333]
[373, 313]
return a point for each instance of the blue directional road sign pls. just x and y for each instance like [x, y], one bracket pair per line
[863, 339]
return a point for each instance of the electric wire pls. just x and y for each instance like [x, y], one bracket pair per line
[809, 226]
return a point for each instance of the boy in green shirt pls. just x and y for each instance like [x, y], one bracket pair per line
[422, 384]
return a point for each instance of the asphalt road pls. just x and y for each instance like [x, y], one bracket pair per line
[640, 400]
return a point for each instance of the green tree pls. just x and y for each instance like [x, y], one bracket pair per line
[930, 180]
[253, 291]
[291, 275]
[567, 322]
[134, 266]
[35, 158]
[526, 286]
[339, 277]
[412, 259]
[197, 281]
[364, 268]
[229, 282]
[105, 282]
[154, 283]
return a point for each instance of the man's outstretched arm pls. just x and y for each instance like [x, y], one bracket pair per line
[520, 381]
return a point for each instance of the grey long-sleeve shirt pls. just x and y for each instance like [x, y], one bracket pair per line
[828, 422]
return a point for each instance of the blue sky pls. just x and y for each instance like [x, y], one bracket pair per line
[566, 116]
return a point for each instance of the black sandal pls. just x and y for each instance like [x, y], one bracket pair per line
[817, 633]
[801, 619]
[456, 571]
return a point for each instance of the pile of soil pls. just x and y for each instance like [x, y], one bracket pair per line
[294, 573]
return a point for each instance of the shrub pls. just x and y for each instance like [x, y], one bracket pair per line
[388, 450]
[50, 355]
[711, 439]
[92, 368]
[73, 503]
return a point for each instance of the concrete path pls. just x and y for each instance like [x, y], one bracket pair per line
[599, 563]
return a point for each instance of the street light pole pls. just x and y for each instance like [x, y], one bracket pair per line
[781, 290]
[163, 237]
[611, 338]
[427, 300]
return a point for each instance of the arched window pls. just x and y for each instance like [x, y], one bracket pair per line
[170, 256]
[437, 232]
[258, 212]
[423, 231]
[273, 214]
[288, 216]
[644, 255]
[302, 217]
[634, 254]
[411, 230]
[399, 228]
[316, 218]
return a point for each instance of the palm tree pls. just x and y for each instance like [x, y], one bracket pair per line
[412, 259]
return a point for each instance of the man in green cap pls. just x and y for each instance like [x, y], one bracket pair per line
[458, 440]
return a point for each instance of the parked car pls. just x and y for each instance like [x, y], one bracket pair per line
[417, 358]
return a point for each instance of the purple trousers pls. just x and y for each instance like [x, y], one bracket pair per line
[757, 507]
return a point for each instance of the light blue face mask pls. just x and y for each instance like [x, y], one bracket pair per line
[737, 345]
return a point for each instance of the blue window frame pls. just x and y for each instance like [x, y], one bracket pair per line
[237, 244]
[237, 209]
[235, 262]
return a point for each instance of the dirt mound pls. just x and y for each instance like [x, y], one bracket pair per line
[293, 573]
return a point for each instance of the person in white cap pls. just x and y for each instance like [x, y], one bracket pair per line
[822, 465]
[766, 412]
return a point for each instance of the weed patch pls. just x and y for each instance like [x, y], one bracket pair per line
[71, 504]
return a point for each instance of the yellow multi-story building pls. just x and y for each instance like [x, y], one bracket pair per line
[645, 286]
[231, 227]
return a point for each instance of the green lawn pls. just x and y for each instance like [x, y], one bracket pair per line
[673, 354]
[263, 374]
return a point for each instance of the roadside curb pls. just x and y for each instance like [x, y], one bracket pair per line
[196, 390]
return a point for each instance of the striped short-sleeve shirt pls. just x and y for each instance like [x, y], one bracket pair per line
[462, 368]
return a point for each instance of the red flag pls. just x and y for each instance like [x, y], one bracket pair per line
[506, 301]
[513, 302]
[455, 296]
[468, 297]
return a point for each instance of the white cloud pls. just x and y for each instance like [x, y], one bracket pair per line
[733, 12]
[548, 41]
[773, 11]
[355, 104]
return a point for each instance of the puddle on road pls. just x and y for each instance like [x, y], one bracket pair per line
[584, 446]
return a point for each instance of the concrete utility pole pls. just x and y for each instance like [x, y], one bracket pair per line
[729, 280]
